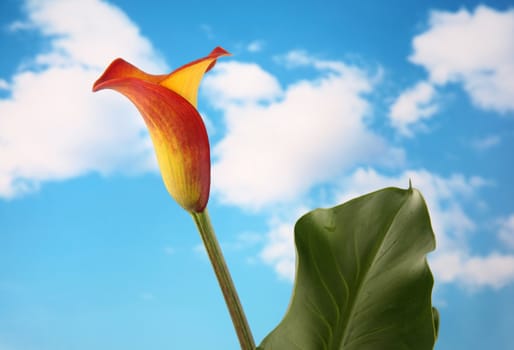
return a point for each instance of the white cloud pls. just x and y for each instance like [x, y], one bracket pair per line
[301, 58]
[101, 33]
[18, 25]
[279, 250]
[475, 49]
[494, 270]
[52, 127]
[231, 83]
[4, 85]
[412, 106]
[452, 262]
[506, 233]
[255, 46]
[486, 142]
[282, 141]
[295, 58]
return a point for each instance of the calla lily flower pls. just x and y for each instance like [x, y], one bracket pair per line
[168, 106]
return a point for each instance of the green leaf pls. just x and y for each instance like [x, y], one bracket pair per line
[362, 280]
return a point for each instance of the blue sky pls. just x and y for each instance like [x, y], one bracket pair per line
[318, 103]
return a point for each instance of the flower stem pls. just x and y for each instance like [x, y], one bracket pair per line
[203, 223]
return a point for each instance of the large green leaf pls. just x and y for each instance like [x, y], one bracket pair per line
[362, 281]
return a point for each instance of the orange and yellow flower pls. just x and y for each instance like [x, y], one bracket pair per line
[168, 106]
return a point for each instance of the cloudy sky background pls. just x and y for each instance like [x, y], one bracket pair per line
[318, 104]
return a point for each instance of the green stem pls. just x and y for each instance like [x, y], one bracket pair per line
[203, 223]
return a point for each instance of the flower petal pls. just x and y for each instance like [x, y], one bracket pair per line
[186, 79]
[178, 134]
[121, 69]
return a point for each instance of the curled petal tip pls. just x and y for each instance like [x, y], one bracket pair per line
[219, 51]
[216, 53]
[113, 71]
[121, 69]
[96, 85]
